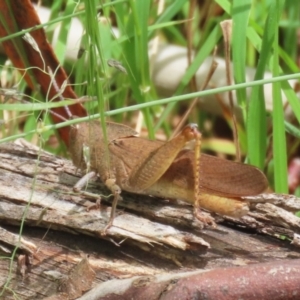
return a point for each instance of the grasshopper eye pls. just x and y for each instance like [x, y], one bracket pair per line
[191, 132]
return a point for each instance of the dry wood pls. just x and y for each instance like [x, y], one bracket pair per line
[166, 238]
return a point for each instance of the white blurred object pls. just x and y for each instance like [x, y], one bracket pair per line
[171, 64]
[74, 36]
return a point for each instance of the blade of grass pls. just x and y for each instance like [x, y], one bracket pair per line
[292, 130]
[170, 11]
[96, 70]
[256, 122]
[35, 106]
[61, 45]
[135, 51]
[219, 90]
[54, 14]
[240, 17]
[292, 98]
[279, 141]
[158, 102]
[290, 32]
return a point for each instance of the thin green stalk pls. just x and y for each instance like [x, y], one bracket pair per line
[240, 17]
[279, 141]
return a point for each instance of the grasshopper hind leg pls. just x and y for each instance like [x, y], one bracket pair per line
[202, 216]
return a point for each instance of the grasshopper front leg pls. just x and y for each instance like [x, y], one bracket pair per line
[111, 185]
[116, 190]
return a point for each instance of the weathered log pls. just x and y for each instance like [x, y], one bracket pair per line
[150, 236]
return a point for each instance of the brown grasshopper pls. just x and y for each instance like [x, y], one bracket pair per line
[164, 169]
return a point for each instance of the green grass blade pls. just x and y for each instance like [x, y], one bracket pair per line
[292, 130]
[290, 32]
[240, 16]
[170, 11]
[292, 98]
[279, 141]
[61, 45]
[219, 90]
[134, 27]
[97, 66]
[256, 122]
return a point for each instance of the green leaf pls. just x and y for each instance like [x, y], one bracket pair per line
[279, 141]
[240, 16]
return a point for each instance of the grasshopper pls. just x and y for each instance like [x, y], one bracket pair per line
[164, 169]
